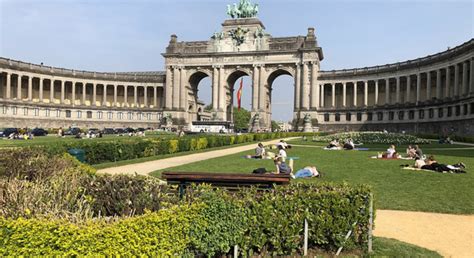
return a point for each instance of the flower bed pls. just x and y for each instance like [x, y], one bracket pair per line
[373, 137]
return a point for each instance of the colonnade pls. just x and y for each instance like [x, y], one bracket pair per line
[80, 92]
[452, 81]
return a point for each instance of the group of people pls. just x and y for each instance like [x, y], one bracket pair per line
[336, 145]
[20, 136]
[431, 164]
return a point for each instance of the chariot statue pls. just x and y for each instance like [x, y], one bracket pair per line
[244, 9]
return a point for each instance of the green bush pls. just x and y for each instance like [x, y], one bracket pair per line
[373, 137]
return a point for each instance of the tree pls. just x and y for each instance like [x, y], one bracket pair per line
[241, 119]
[208, 107]
[275, 126]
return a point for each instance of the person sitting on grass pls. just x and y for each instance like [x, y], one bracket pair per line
[306, 172]
[432, 164]
[283, 144]
[282, 167]
[281, 152]
[411, 152]
[349, 145]
[333, 144]
[259, 151]
[391, 152]
[418, 152]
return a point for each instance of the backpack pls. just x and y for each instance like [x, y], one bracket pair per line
[259, 171]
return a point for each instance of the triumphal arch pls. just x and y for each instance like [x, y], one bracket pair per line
[242, 47]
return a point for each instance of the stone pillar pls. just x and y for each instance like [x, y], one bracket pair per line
[168, 89]
[376, 100]
[314, 86]
[465, 90]
[73, 98]
[366, 93]
[145, 96]
[321, 88]
[471, 79]
[104, 96]
[456, 80]
[344, 93]
[438, 84]
[18, 87]
[418, 87]
[40, 89]
[262, 92]
[355, 94]
[333, 95]
[125, 95]
[222, 91]
[51, 90]
[30, 88]
[298, 87]
[62, 91]
[183, 91]
[387, 91]
[304, 88]
[94, 94]
[84, 93]
[176, 88]
[215, 87]
[428, 85]
[448, 82]
[408, 92]
[9, 87]
[115, 95]
[155, 96]
[135, 96]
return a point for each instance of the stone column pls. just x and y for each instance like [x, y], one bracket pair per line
[18, 87]
[314, 86]
[40, 89]
[298, 87]
[145, 96]
[84, 93]
[73, 97]
[262, 92]
[344, 93]
[125, 95]
[51, 90]
[115, 95]
[418, 87]
[448, 82]
[438, 84]
[408, 92]
[9, 87]
[355, 94]
[387, 91]
[397, 93]
[62, 91]
[366, 93]
[135, 96]
[222, 91]
[471, 79]
[456, 80]
[465, 90]
[321, 88]
[30, 88]
[333, 95]
[183, 91]
[168, 89]
[155, 97]
[428, 85]
[376, 100]
[176, 88]
[104, 96]
[304, 87]
[215, 88]
[94, 94]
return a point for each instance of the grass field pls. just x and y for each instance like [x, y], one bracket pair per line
[394, 187]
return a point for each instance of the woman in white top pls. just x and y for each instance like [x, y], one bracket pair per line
[281, 152]
[391, 152]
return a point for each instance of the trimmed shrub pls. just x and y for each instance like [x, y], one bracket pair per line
[373, 137]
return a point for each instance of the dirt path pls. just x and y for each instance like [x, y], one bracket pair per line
[145, 168]
[449, 235]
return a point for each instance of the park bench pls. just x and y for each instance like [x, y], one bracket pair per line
[228, 180]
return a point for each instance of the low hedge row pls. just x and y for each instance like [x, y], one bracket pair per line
[111, 151]
[208, 222]
[456, 138]
[373, 137]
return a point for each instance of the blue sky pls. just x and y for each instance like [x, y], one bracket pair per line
[130, 35]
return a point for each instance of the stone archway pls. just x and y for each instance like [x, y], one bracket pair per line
[232, 78]
[273, 75]
[196, 108]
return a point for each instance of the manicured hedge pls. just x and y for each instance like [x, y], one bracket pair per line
[110, 151]
[373, 137]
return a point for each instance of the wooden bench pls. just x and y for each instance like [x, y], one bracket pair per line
[229, 180]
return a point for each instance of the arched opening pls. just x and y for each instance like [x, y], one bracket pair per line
[241, 117]
[201, 106]
[279, 101]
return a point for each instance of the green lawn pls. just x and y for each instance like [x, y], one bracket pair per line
[387, 247]
[394, 187]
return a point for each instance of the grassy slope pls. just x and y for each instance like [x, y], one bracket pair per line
[388, 247]
[394, 187]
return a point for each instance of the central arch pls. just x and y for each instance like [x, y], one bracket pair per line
[229, 97]
[279, 75]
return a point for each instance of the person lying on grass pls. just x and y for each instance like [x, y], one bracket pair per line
[432, 164]
[333, 144]
[349, 144]
[309, 171]
[391, 153]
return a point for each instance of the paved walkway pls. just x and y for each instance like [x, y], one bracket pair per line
[147, 167]
[449, 235]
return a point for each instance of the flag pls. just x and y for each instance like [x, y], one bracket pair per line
[239, 93]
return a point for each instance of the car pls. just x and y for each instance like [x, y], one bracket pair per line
[130, 130]
[94, 130]
[72, 131]
[108, 131]
[120, 131]
[140, 129]
[5, 132]
[39, 132]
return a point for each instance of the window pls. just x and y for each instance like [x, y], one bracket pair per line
[36, 111]
[89, 114]
[450, 111]
[4, 109]
[348, 116]
[68, 113]
[110, 115]
[58, 113]
[148, 116]
[430, 113]
[14, 110]
[401, 115]
[440, 112]
[25, 111]
[139, 116]
[369, 116]
[159, 116]
[326, 117]
[421, 114]
[100, 115]
[120, 115]
[130, 116]
[458, 110]
[391, 115]
[337, 117]
[47, 112]
[411, 114]
[465, 111]
[79, 114]
[359, 116]
[379, 116]
[472, 108]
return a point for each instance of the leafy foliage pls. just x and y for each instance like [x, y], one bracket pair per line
[373, 137]
[241, 118]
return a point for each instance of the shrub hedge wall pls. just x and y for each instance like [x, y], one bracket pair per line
[373, 137]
